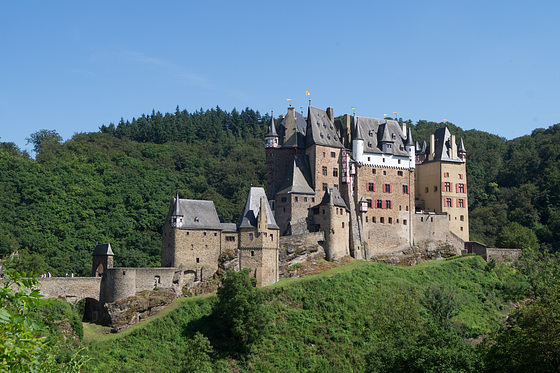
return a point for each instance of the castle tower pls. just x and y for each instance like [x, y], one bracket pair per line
[441, 182]
[177, 215]
[333, 218]
[102, 259]
[357, 144]
[259, 238]
[271, 137]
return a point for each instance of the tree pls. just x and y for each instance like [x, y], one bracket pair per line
[516, 236]
[238, 311]
[42, 139]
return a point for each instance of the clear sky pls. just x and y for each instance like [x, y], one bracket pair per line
[75, 65]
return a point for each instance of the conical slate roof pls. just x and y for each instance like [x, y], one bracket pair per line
[332, 194]
[461, 146]
[374, 130]
[298, 177]
[409, 141]
[251, 210]
[271, 129]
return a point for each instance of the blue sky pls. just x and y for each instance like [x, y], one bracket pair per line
[73, 66]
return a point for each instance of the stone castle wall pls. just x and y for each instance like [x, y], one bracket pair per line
[73, 289]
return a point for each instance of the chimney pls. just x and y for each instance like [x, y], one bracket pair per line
[291, 112]
[432, 147]
[330, 113]
[453, 148]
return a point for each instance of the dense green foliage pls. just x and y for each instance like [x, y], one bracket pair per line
[374, 317]
[116, 185]
[31, 336]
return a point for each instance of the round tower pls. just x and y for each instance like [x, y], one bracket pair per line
[271, 137]
[461, 152]
[357, 144]
[177, 215]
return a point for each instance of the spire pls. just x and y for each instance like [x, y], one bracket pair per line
[461, 147]
[409, 141]
[386, 136]
[271, 129]
[357, 132]
[177, 210]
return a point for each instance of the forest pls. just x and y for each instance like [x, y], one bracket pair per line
[115, 185]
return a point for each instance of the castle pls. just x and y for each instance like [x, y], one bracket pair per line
[360, 184]
[365, 183]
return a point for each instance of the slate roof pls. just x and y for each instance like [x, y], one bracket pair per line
[461, 147]
[374, 131]
[251, 210]
[197, 214]
[443, 145]
[103, 249]
[293, 139]
[298, 177]
[320, 129]
[271, 129]
[229, 227]
[333, 193]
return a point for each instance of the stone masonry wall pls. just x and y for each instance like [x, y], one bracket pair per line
[72, 289]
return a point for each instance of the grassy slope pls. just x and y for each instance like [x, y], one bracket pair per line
[323, 322]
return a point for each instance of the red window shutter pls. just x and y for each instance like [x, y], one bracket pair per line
[443, 186]
[390, 188]
[383, 205]
[450, 186]
[374, 187]
[465, 187]
[451, 202]
[457, 188]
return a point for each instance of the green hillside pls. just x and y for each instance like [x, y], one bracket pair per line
[364, 317]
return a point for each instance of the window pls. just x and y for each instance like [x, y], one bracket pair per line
[205, 233]
[461, 188]
[333, 155]
[283, 199]
[448, 202]
[405, 189]
[427, 190]
[252, 253]
[460, 203]
[198, 260]
[447, 186]
[323, 154]
[399, 173]
[461, 176]
[312, 199]
[382, 220]
[368, 159]
[335, 171]
[296, 199]
[462, 218]
[371, 187]
[325, 186]
[446, 174]
[390, 221]
[384, 172]
[343, 224]
[304, 199]
[435, 188]
[251, 236]
[379, 204]
[325, 171]
[369, 203]
[387, 188]
[389, 204]
[272, 237]
[373, 219]
[373, 171]
[404, 222]
[215, 234]
[230, 238]
[366, 219]
[336, 186]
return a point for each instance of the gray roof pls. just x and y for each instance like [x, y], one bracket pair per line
[103, 249]
[271, 129]
[374, 131]
[251, 210]
[409, 141]
[294, 126]
[443, 145]
[320, 129]
[333, 193]
[298, 177]
[462, 147]
[229, 227]
[197, 214]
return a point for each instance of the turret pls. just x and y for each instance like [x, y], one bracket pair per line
[387, 141]
[177, 215]
[262, 224]
[410, 148]
[271, 137]
[357, 144]
[461, 152]
[102, 259]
